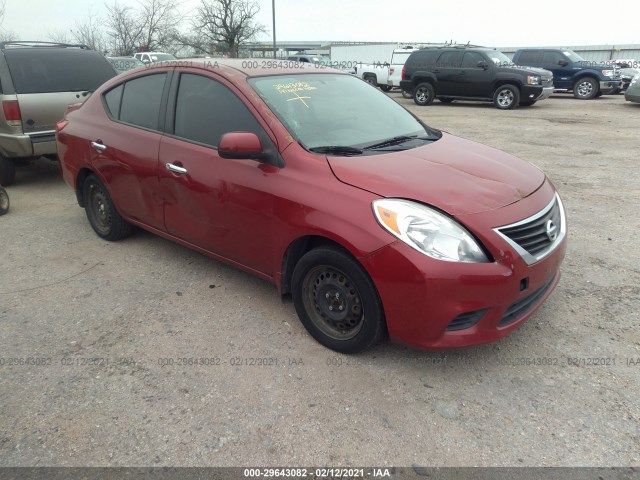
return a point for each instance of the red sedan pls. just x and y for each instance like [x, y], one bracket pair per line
[307, 177]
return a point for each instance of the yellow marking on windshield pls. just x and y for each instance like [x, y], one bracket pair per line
[302, 99]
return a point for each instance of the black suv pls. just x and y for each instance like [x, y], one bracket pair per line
[37, 82]
[471, 72]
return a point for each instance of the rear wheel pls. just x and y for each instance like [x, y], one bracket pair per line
[4, 201]
[585, 89]
[423, 94]
[336, 301]
[7, 171]
[102, 214]
[371, 80]
[406, 94]
[506, 97]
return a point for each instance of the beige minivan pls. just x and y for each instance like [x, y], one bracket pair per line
[37, 82]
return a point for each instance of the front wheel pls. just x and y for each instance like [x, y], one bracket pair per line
[585, 89]
[371, 80]
[101, 213]
[423, 94]
[506, 97]
[4, 201]
[386, 88]
[336, 301]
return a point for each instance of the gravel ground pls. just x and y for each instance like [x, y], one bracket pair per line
[104, 315]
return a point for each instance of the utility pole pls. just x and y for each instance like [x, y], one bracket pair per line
[273, 9]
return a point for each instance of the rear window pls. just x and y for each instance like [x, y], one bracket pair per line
[45, 70]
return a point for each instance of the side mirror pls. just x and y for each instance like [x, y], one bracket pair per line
[482, 64]
[241, 145]
[563, 63]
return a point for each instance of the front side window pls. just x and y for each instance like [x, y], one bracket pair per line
[206, 110]
[334, 110]
[471, 60]
[141, 99]
[552, 58]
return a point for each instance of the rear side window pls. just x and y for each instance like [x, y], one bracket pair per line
[531, 57]
[113, 99]
[450, 60]
[141, 101]
[48, 70]
[206, 110]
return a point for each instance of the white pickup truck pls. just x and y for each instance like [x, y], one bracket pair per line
[383, 74]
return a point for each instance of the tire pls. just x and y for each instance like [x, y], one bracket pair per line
[445, 100]
[4, 201]
[423, 94]
[385, 88]
[406, 94]
[506, 97]
[7, 171]
[101, 213]
[371, 80]
[336, 301]
[586, 88]
[528, 103]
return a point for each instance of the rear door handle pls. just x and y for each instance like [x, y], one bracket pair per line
[176, 169]
[98, 146]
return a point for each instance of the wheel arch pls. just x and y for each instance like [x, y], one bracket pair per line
[298, 248]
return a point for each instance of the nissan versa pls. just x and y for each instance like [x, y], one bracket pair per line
[373, 222]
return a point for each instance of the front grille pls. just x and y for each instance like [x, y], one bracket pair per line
[536, 236]
[466, 320]
[522, 306]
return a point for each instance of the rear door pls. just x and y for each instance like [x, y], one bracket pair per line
[46, 80]
[447, 69]
[125, 148]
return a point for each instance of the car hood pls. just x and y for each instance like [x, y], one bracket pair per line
[534, 70]
[456, 175]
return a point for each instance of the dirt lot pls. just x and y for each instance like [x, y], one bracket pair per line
[103, 316]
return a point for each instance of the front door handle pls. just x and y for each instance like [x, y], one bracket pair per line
[98, 146]
[176, 169]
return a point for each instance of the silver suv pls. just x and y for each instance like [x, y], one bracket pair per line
[37, 82]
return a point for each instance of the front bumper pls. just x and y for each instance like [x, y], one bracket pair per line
[423, 298]
[535, 93]
[610, 86]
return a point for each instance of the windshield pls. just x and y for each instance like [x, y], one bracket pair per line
[159, 57]
[322, 110]
[573, 56]
[499, 58]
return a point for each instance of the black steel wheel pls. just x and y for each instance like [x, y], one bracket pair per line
[101, 213]
[336, 301]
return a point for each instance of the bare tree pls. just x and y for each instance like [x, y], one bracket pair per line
[91, 34]
[59, 36]
[5, 35]
[159, 23]
[227, 22]
[124, 29]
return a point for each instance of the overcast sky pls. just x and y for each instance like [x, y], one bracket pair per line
[490, 22]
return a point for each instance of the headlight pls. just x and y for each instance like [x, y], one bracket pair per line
[533, 80]
[428, 231]
[607, 73]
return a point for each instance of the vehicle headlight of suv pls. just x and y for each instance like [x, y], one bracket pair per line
[534, 80]
[428, 231]
[607, 73]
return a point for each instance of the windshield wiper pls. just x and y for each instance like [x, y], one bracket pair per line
[337, 150]
[395, 141]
